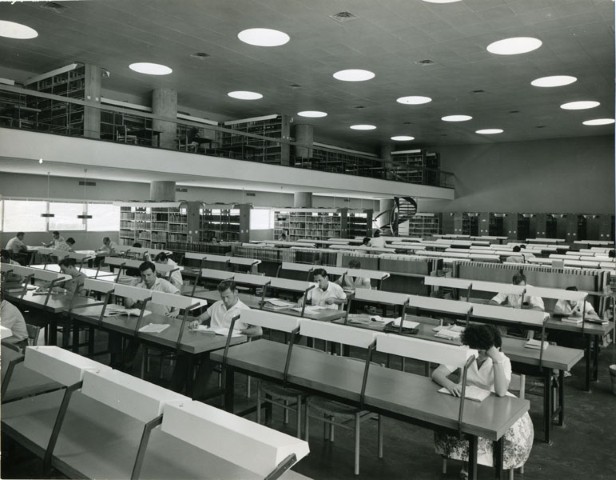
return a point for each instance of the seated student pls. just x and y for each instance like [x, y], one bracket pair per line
[12, 280]
[283, 237]
[56, 240]
[349, 282]
[176, 276]
[526, 253]
[66, 246]
[517, 256]
[516, 301]
[134, 272]
[107, 250]
[326, 294]
[150, 281]
[11, 318]
[574, 308]
[68, 266]
[377, 241]
[365, 241]
[491, 370]
[219, 316]
[18, 250]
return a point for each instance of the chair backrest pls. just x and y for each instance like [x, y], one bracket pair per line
[135, 293]
[173, 300]
[333, 332]
[514, 315]
[242, 442]
[128, 394]
[98, 285]
[448, 282]
[209, 273]
[518, 384]
[273, 321]
[253, 280]
[61, 365]
[425, 350]
[33, 334]
[440, 304]
[379, 296]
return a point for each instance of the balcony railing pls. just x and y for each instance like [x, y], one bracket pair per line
[263, 141]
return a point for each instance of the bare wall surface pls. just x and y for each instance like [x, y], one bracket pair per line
[553, 176]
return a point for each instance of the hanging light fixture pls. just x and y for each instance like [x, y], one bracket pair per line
[85, 215]
[47, 214]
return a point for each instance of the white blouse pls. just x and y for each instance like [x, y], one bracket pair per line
[483, 377]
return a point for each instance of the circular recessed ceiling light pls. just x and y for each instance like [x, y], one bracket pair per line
[582, 105]
[354, 75]
[244, 95]
[599, 121]
[263, 37]
[489, 131]
[553, 81]
[514, 46]
[414, 100]
[16, 30]
[456, 118]
[312, 114]
[363, 127]
[402, 138]
[150, 68]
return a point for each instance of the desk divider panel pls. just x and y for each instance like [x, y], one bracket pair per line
[496, 287]
[242, 442]
[48, 276]
[60, 365]
[379, 296]
[98, 285]
[299, 267]
[135, 293]
[195, 256]
[440, 304]
[249, 279]
[517, 315]
[244, 261]
[425, 350]
[172, 300]
[556, 293]
[448, 282]
[332, 332]
[209, 273]
[130, 395]
[274, 321]
[292, 285]
[371, 274]
[122, 262]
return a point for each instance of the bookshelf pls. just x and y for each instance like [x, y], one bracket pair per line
[424, 225]
[321, 223]
[114, 124]
[236, 145]
[416, 166]
[56, 116]
[228, 223]
[154, 225]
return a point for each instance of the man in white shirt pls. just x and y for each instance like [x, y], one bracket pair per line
[326, 294]
[519, 301]
[11, 318]
[107, 250]
[56, 240]
[377, 241]
[176, 276]
[574, 308]
[18, 249]
[150, 281]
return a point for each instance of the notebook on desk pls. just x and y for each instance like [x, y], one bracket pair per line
[535, 344]
[408, 327]
[473, 393]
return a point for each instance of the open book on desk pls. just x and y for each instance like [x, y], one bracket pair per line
[154, 328]
[310, 309]
[276, 304]
[535, 344]
[471, 393]
[407, 326]
[128, 312]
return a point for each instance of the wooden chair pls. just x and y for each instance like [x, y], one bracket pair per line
[333, 413]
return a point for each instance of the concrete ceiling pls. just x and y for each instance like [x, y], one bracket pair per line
[389, 37]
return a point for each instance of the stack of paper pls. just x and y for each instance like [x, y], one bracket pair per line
[218, 331]
[535, 344]
[275, 304]
[405, 323]
[452, 332]
[472, 393]
[113, 311]
[572, 320]
[309, 309]
[154, 328]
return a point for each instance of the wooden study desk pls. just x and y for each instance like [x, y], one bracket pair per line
[97, 441]
[408, 397]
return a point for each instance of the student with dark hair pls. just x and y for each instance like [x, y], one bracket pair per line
[56, 240]
[325, 294]
[491, 371]
[68, 266]
[517, 256]
[176, 276]
[574, 308]
[150, 281]
[519, 301]
[365, 241]
[349, 282]
[67, 246]
[18, 250]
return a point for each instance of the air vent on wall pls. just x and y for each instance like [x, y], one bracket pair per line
[181, 189]
[87, 183]
[342, 17]
[250, 194]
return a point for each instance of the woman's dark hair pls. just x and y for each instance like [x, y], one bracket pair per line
[611, 253]
[365, 241]
[137, 245]
[519, 278]
[161, 257]
[68, 262]
[481, 337]
[516, 249]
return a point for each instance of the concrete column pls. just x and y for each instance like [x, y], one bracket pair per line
[304, 135]
[165, 103]
[302, 200]
[162, 191]
[385, 154]
[385, 205]
[91, 115]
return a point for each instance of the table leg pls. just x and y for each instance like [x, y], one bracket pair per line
[588, 348]
[472, 457]
[53, 330]
[547, 404]
[595, 358]
[561, 398]
[75, 346]
[190, 375]
[498, 448]
[229, 373]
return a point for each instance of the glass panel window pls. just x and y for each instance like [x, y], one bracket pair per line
[261, 219]
[65, 216]
[24, 216]
[105, 217]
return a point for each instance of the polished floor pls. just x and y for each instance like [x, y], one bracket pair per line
[583, 449]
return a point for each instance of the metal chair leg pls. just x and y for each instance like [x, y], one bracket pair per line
[357, 432]
[299, 416]
[380, 434]
[259, 402]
